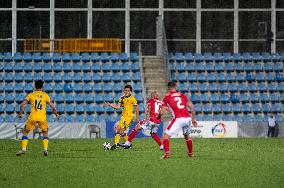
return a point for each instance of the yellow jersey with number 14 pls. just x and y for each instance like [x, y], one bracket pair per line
[38, 100]
[127, 103]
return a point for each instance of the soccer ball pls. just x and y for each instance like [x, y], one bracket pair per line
[107, 146]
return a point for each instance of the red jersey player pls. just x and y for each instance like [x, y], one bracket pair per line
[150, 123]
[177, 103]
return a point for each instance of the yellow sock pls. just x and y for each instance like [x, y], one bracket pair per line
[24, 142]
[45, 143]
[116, 138]
[125, 138]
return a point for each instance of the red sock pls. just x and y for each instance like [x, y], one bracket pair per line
[189, 146]
[166, 143]
[132, 135]
[157, 139]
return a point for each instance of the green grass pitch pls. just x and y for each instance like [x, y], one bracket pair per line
[254, 162]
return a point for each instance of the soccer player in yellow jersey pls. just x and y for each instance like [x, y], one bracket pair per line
[38, 100]
[128, 103]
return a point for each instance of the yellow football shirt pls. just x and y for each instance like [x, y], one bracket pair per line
[38, 100]
[127, 103]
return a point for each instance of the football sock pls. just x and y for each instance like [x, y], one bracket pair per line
[125, 138]
[132, 135]
[189, 145]
[116, 138]
[157, 139]
[45, 142]
[166, 143]
[25, 141]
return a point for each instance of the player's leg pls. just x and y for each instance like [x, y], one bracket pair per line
[30, 125]
[132, 135]
[154, 129]
[44, 127]
[166, 143]
[187, 137]
[128, 122]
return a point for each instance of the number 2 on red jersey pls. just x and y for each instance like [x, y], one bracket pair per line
[178, 100]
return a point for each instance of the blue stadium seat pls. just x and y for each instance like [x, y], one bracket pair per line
[79, 109]
[2, 108]
[59, 98]
[182, 77]
[139, 98]
[194, 98]
[88, 87]
[108, 97]
[206, 108]
[198, 57]
[114, 56]
[10, 118]
[134, 56]
[70, 108]
[46, 57]
[203, 87]
[86, 67]
[221, 77]
[200, 67]
[193, 88]
[268, 67]
[265, 107]
[197, 108]
[47, 67]
[48, 87]
[106, 77]
[78, 88]
[262, 87]
[190, 67]
[260, 77]
[117, 87]
[228, 117]
[36, 56]
[141, 108]
[252, 87]
[99, 118]
[272, 87]
[211, 77]
[219, 67]
[80, 118]
[223, 87]
[8, 66]
[224, 98]
[56, 57]
[67, 77]
[218, 57]
[244, 97]
[107, 87]
[8, 56]
[248, 66]
[257, 67]
[192, 77]
[67, 67]
[256, 108]
[123, 56]
[28, 78]
[250, 77]
[216, 108]
[77, 77]
[37, 76]
[281, 97]
[137, 87]
[263, 97]
[90, 109]
[246, 108]
[213, 87]
[97, 77]
[105, 57]
[98, 87]
[68, 87]
[183, 87]
[246, 57]
[8, 77]
[57, 77]
[98, 98]
[204, 98]
[125, 77]
[90, 118]
[70, 118]
[69, 98]
[171, 57]
[274, 97]
[18, 87]
[234, 98]
[37, 67]
[99, 109]
[18, 67]
[239, 67]
[75, 57]
[214, 98]
[188, 57]
[279, 118]
[276, 107]
[208, 57]
[265, 56]
[281, 87]
[209, 67]
[125, 67]
[202, 77]
[254, 97]
[85, 57]
[9, 88]
[115, 67]
[227, 57]
[116, 77]
[278, 66]
[270, 77]
[256, 57]
[236, 108]
[136, 77]
[173, 77]
[275, 57]
[106, 67]
[135, 67]
[60, 108]
[179, 56]
[57, 67]
[9, 98]
[9, 108]
[232, 87]
[279, 77]
[89, 98]
[76, 67]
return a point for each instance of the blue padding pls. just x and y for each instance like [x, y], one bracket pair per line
[25, 138]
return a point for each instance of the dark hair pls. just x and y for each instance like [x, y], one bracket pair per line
[128, 86]
[172, 84]
[39, 84]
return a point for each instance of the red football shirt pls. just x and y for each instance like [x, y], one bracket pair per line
[177, 104]
[155, 105]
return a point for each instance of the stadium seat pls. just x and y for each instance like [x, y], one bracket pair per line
[90, 118]
[201, 77]
[236, 108]
[46, 57]
[37, 67]
[95, 57]
[137, 87]
[37, 76]
[88, 87]
[10, 118]
[8, 77]
[114, 56]
[278, 66]
[59, 98]
[18, 67]
[265, 56]
[77, 77]
[182, 77]
[250, 77]
[246, 108]
[98, 98]
[209, 67]
[79, 98]
[10, 108]
[188, 57]
[272, 87]
[106, 67]
[190, 67]
[106, 77]
[134, 56]
[90, 109]
[85, 57]
[48, 87]
[69, 98]
[70, 118]
[97, 77]
[136, 77]
[246, 57]
[80, 118]
[256, 108]
[224, 98]
[76, 67]
[200, 67]
[276, 107]
[265, 107]
[57, 67]
[223, 87]
[105, 57]
[79, 109]
[28, 78]
[78, 88]
[183, 87]
[270, 77]
[204, 98]
[125, 67]
[221, 77]
[115, 67]
[279, 77]
[248, 66]
[257, 67]
[56, 57]
[98, 87]
[234, 98]
[47, 67]
[252, 87]
[67, 67]
[203, 87]
[123, 57]
[274, 97]
[9, 88]
[116, 77]
[75, 57]
[263, 97]
[57, 77]
[107, 87]
[89, 98]
[244, 97]
[68, 87]
[125, 77]
[70, 108]
[268, 67]
[99, 109]
[192, 77]
[108, 97]
[8, 66]
[214, 98]
[9, 98]
[232, 87]
[179, 57]
[8, 56]
[67, 77]
[194, 98]
[86, 67]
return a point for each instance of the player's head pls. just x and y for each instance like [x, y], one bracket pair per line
[172, 86]
[127, 90]
[39, 84]
[154, 94]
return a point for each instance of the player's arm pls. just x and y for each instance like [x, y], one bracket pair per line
[22, 108]
[54, 111]
[115, 106]
[192, 111]
[147, 113]
[137, 113]
[162, 112]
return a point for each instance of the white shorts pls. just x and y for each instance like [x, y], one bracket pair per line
[150, 126]
[177, 125]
